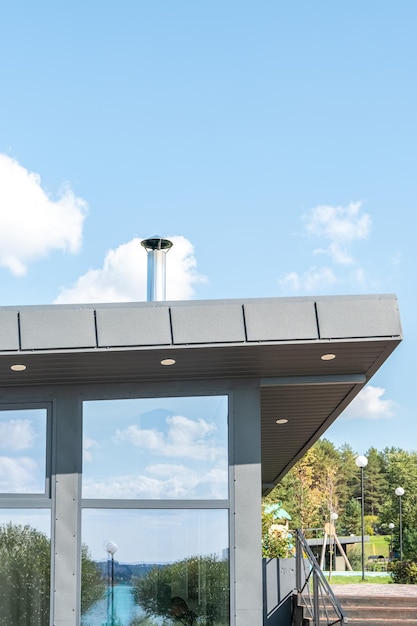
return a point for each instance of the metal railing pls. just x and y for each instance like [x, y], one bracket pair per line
[313, 590]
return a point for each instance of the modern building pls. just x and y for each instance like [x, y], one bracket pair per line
[158, 426]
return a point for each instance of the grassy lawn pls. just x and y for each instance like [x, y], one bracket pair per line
[377, 544]
[349, 580]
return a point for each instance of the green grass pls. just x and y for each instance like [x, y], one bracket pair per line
[349, 580]
[377, 544]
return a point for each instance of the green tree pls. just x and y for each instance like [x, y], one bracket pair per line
[25, 557]
[350, 523]
[202, 581]
[93, 586]
[401, 471]
[375, 482]
[24, 576]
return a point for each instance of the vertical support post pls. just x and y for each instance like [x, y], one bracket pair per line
[401, 532]
[363, 524]
[400, 492]
[362, 462]
[66, 512]
[316, 599]
[247, 551]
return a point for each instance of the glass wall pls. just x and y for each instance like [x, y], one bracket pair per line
[167, 562]
[153, 566]
[25, 557]
[156, 448]
[23, 450]
[25, 518]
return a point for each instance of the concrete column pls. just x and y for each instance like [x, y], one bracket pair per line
[247, 547]
[66, 513]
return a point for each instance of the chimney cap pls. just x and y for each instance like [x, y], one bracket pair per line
[156, 243]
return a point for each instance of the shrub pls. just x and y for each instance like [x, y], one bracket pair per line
[404, 572]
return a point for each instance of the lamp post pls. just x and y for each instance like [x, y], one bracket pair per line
[400, 492]
[111, 549]
[391, 526]
[362, 461]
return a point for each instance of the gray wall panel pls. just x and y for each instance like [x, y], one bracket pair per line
[343, 318]
[247, 497]
[9, 330]
[133, 326]
[281, 320]
[215, 323]
[66, 512]
[51, 328]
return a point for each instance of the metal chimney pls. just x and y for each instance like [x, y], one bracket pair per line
[156, 247]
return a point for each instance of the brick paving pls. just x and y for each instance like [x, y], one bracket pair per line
[374, 589]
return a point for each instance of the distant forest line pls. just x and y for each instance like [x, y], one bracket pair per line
[328, 480]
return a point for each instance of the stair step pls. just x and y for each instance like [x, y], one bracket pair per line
[379, 610]
[369, 621]
[378, 601]
[386, 613]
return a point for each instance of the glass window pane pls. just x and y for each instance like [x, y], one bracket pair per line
[151, 566]
[25, 557]
[23, 450]
[156, 448]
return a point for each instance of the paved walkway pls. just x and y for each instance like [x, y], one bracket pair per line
[374, 589]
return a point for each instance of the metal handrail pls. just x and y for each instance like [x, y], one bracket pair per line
[313, 589]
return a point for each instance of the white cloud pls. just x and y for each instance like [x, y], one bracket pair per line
[88, 446]
[123, 276]
[185, 438]
[340, 226]
[370, 404]
[314, 279]
[17, 434]
[162, 481]
[31, 223]
[335, 229]
[18, 475]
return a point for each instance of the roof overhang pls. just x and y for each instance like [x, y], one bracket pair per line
[278, 342]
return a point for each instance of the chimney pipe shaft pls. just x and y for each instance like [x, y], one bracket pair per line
[156, 247]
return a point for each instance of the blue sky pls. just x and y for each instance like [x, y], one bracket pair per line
[274, 142]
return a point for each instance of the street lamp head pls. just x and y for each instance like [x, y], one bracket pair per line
[361, 461]
[111, 547]
[391, 526]
[333, 516]
[399, 491]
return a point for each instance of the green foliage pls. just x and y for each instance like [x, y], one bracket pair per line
[143, 620]
[93, 586]
[404, 572]
[274, 543]
[327, 479]
[354, 554]
[25, 577]
[203, 582]
[371, 522]
[352, 519]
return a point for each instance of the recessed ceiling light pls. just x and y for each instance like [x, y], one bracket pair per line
[168, 362]
[282, 420]
[328, 357]
[18, 368]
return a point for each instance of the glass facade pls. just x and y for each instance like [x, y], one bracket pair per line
[136, 490]
[168, 562]
[25, 567]
[23, 450]
[153, 564]
[156, 448]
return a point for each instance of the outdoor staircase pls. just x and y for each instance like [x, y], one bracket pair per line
[380, 610]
